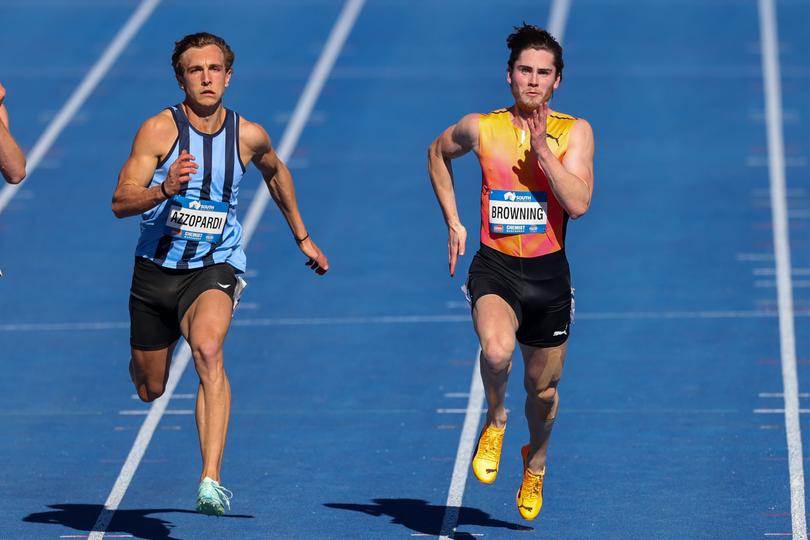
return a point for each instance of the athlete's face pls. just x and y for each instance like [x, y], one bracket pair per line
[533, 78]
[204, 77]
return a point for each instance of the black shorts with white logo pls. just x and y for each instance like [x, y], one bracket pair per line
[538, 289]
[160, 296]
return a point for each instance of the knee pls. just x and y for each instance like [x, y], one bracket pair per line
[207, 354]
[546, 394]
[148, 390]
[149, 393]
[497, 353]
[207, 350]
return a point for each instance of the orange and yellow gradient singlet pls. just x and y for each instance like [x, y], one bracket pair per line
[519, 214]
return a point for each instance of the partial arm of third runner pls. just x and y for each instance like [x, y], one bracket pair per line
[280, 183]
[571, 179]
[12, 159]
[454, 142]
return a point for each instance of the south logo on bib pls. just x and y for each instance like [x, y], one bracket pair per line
[202, 221]
[517, 212]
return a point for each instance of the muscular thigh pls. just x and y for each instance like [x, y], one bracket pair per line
[493, 292]
[161, 297]
[493, 316]
[208, 318]
[543, 365]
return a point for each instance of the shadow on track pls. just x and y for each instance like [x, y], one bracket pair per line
[419, 516]
[138, 523]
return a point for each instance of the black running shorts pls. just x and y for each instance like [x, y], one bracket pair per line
[538, 289]
[161, 296]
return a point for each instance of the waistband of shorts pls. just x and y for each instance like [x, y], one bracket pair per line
[148, 264]
[542, 267]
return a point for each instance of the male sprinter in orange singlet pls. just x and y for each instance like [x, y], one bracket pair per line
[12, 160]
[183, 177]
[537, 168]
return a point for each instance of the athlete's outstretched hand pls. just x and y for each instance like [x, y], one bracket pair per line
[537, 128]
[180, 172]
[456, 241]
[317, 260]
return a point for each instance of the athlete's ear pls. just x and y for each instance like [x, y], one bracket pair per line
[228, 77]
[509, 77]
[557, 81]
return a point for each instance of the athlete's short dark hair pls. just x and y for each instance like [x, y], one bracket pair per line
[529, 36]
[200, 39]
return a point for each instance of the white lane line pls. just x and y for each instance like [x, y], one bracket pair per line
[776, 169]
[303, 109]
[720, 314]
[411, 319]
[80, 95]
[464, 454]
[772, 271]
[558, 15]
[769, 284]
[778, 411]
[144, 412]
[755, 257]
[175, 396]
[87, 536]
[781, 394]
[457, 411]
[60, 327]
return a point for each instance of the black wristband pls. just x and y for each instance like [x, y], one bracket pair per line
[163, 190]
[297, 241]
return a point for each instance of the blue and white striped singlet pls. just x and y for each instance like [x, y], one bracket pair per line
[219, 171]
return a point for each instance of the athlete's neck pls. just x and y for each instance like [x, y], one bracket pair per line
[205, 119]
[520, 117]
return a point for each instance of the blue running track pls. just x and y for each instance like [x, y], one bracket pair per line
[349, 391]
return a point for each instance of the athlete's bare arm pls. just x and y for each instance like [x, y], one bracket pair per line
[256, 147]
[454, 142]
[12, 159]
[152, 142]
[571, 179]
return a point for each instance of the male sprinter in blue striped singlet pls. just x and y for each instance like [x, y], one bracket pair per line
[12, 160]
[183, 177]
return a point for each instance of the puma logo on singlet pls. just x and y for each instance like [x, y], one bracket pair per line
[556, 139]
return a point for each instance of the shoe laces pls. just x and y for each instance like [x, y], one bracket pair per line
[223, 494]
[533, 484]
[490, 445]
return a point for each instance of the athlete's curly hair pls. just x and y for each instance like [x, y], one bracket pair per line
[530, 36]
[200, 39]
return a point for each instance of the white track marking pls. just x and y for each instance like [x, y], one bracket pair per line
[776, 169]
[411, 319]
[464, 454]
[80, 95]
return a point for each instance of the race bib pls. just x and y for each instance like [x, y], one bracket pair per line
[191, 219]
[517, 212]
